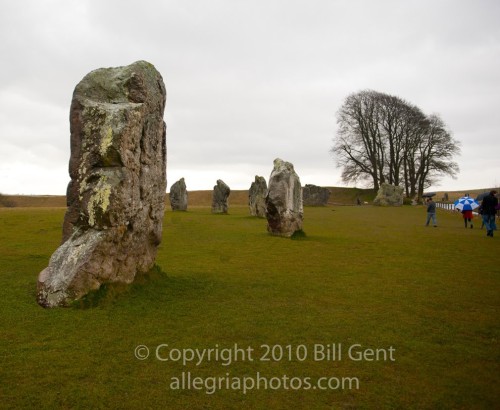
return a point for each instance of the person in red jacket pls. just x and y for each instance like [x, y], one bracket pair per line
[468, 217]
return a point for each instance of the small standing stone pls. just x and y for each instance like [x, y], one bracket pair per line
[220, 198]
[257, 197]
[178, 196]
[389, 195]
[284, 209]
[314, 195]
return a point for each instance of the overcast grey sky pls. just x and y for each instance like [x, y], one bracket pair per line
[249, 81]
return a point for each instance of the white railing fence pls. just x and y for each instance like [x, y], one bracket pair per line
[450, 207]
[445, 205]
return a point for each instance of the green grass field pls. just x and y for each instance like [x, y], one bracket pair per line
[362, 278]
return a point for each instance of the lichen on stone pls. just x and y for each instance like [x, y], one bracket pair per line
[99, 201]
[106, 140]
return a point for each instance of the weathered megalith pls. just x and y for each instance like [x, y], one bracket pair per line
[284, 210]
[116, 196]
[257, 197]
[389, 195]
[178, 196]
[314, 195]
[220, 198]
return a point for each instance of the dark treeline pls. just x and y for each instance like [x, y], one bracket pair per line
[382, 138]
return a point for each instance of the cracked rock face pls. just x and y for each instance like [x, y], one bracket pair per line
[284, 209]
[116, 196]
[257, 197]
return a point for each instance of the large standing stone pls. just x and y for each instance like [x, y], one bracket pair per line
[314, 195]
[219, 198]
[116, 196]
[284, 210]
[257, 197]
[179, 196]
[389, 195]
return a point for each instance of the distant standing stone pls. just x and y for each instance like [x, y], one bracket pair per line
[220, 198]
[314, 195]
[284, 210]
[116, 196]
[178, 196]
[389, 195]
[257, 197]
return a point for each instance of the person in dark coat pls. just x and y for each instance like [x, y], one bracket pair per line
[431, 212]
[488, 207]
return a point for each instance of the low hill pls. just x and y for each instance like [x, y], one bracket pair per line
[32, 201]
[339, 196]
[454, 195]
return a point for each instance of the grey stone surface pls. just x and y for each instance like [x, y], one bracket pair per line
[284, 206]
[314, 195]
[179, 196]
[116, 196]
[257, 197]
[389, 195]
[220, 198]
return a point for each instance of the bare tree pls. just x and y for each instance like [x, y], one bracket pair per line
[396, 114]
[436, 151]
[415, 128]
[359, 147]
[384, 138]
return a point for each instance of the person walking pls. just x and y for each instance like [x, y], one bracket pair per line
[431, 212]
[467, 215]
[488, 206]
